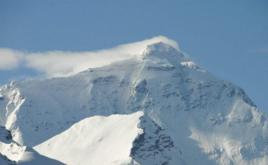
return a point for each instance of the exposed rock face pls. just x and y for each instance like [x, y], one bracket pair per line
[189, 116]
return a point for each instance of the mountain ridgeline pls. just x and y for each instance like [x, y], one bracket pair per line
[158, 108]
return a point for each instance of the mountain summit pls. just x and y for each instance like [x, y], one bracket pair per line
[156, 108]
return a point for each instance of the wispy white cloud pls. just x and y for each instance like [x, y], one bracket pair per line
[62, 63]
[9, 59]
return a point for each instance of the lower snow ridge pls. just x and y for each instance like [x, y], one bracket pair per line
[96, 140]
[12, 153]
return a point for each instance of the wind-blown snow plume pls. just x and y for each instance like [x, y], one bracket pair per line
[9, 59]
[159, 108]
[64, 63]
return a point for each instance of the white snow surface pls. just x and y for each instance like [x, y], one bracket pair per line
[159, 108]
[94, 139]
[13, 153]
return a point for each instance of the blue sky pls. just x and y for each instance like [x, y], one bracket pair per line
[227, 37]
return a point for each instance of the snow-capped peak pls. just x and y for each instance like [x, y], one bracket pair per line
[163, 51]
[161, 108]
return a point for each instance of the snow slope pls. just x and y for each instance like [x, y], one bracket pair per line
[92, 140]
[13, 153]
[158, 107]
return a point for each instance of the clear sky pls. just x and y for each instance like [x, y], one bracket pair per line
[227, 37]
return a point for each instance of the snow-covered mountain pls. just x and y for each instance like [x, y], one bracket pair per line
[156, 108]
[13, 153]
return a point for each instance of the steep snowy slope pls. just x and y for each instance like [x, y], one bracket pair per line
[188, 116]
[12, 153]
[92, 140]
